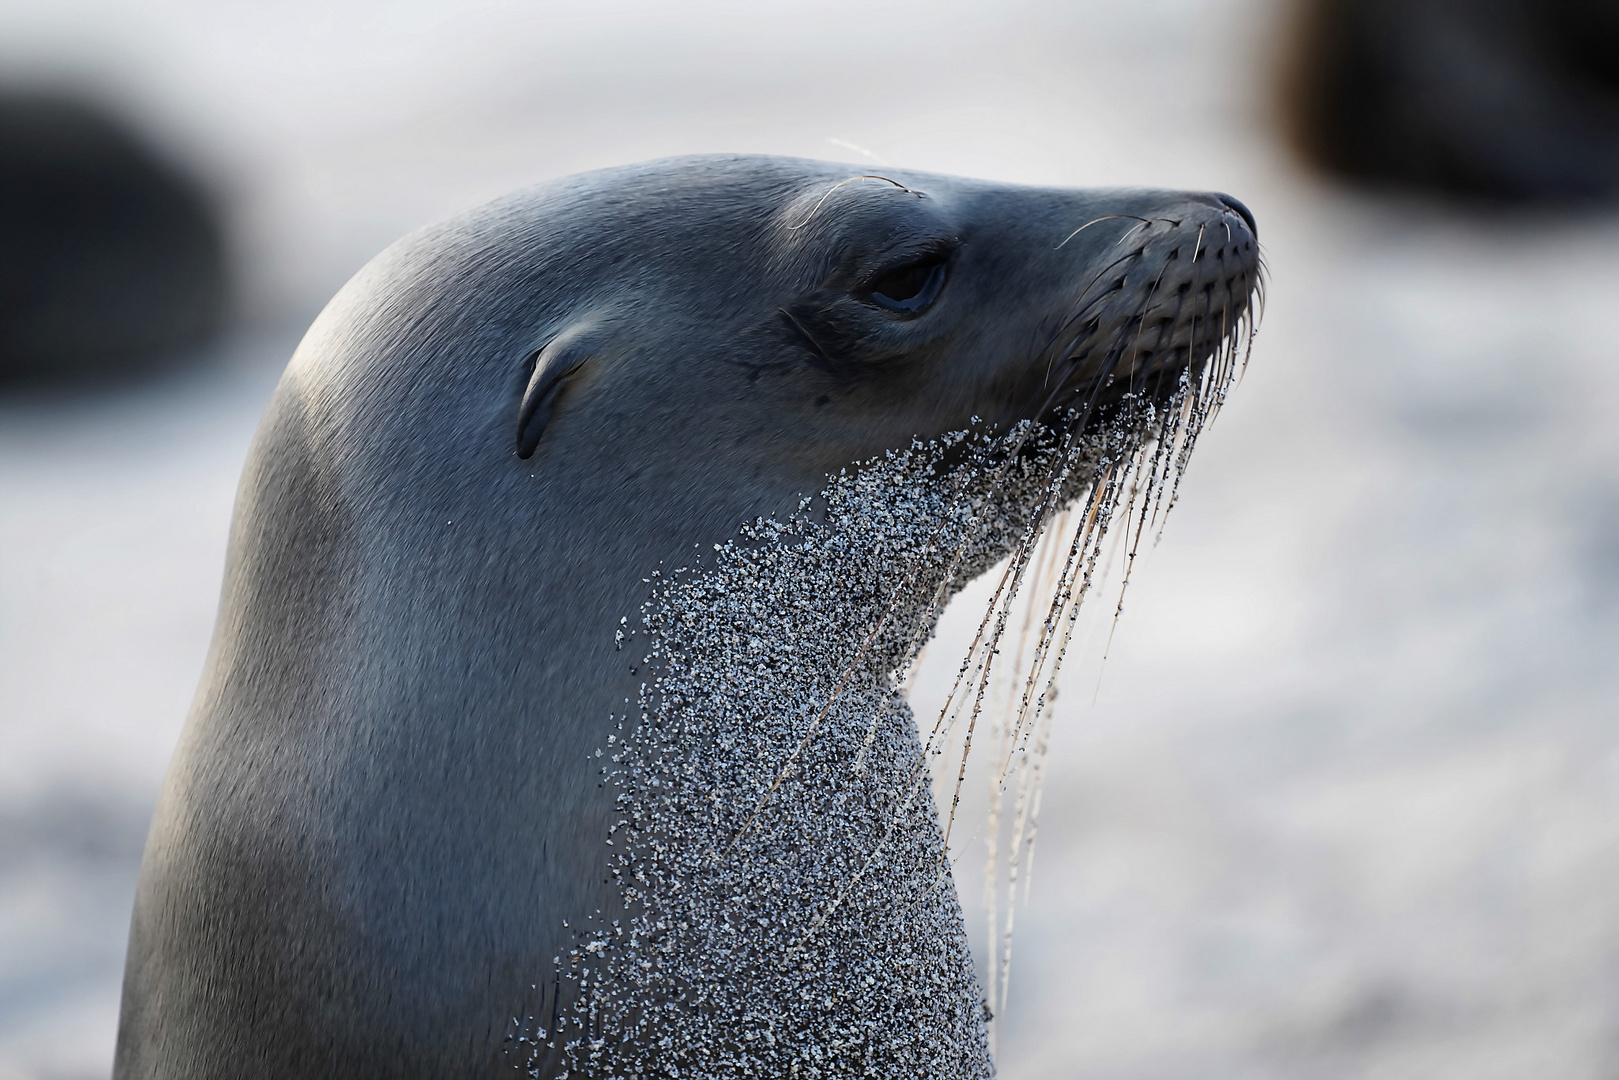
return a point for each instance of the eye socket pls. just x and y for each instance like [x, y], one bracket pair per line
[910, 289]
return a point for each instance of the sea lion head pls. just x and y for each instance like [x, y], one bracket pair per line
[818, 315]
[750, 325]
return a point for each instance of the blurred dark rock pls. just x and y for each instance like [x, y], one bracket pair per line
[1513, 100]
[112, 261]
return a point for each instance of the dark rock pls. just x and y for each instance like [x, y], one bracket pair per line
[1514, 100]
[111, 261]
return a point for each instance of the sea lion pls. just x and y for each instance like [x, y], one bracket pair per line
[386, 822]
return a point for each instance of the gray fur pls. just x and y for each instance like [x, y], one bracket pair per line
[382, 811]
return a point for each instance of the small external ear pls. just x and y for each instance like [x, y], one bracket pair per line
[566, 354]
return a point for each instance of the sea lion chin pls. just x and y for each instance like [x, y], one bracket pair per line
[386, 820]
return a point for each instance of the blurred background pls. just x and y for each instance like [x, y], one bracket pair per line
[1343, 800]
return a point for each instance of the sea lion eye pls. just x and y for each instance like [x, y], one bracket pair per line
[910, 289]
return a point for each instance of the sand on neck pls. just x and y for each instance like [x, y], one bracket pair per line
[787, 904]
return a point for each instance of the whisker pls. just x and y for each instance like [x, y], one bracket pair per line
[1095, 221]
[829, 192]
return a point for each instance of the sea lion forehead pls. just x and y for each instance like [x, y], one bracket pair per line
[681, 224]
[784, 205]
[667, 222]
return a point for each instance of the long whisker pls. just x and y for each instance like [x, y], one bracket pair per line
[1095, 221]
[829, 192]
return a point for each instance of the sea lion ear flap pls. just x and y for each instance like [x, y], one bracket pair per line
[553, 365]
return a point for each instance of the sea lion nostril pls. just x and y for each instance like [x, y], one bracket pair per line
[1241, 211]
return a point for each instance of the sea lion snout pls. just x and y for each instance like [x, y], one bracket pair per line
[1193, 279]
[1146, 286]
